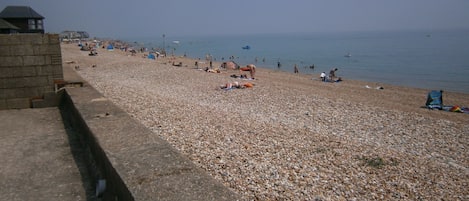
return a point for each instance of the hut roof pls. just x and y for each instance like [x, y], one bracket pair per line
[19, 12]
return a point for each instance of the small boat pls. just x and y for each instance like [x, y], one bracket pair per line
[348, 55]
[247, 47]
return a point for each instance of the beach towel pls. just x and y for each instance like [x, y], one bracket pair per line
[456, 108]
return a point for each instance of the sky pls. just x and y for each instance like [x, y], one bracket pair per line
[147, 18]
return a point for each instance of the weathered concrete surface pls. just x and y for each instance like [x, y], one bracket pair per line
[36, 159]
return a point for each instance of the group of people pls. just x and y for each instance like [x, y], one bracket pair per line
[324, 77]
[251, 68]
[332, 77]
[236, 85]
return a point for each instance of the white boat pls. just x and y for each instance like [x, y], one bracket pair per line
[348, 55]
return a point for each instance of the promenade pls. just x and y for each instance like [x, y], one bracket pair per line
[37, 162]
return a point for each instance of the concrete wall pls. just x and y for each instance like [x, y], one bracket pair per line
[29, 65]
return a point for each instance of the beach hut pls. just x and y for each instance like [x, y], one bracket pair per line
[24, 18]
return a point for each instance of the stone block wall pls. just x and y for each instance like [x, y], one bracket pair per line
[29, 65]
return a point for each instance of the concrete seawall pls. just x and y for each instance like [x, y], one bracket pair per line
[133, 162]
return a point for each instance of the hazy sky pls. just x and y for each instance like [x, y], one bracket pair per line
[142, 18]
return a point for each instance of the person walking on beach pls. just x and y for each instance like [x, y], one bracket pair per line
[278, 64]
[251, 68]
[295, 69]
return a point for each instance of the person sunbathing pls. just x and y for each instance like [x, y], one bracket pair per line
[231, 85]
[242, 76]
[179, 64]
[93, 53]
[210, 70]
[236, 85]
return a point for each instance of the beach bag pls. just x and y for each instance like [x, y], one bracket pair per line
[435, 100]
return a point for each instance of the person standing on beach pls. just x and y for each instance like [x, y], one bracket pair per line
[278, 64]
[251, 68]
[295, 69]
[332, 74]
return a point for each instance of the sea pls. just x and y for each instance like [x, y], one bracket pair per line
[433, 60]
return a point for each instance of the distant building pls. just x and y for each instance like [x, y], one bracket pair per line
[24, 18]
[70, 35]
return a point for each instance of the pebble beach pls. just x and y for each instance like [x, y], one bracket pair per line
[291, 136]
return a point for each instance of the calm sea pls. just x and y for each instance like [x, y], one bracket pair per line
[423, 59]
